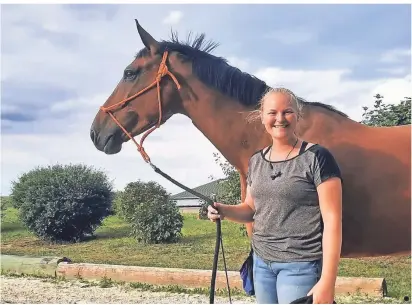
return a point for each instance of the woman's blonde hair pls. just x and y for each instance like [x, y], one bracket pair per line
[257, 114]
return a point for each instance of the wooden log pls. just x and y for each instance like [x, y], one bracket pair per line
[352, 285]
[199, 278]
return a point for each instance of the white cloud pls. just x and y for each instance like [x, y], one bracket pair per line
[241, 63]
[188, 161]
[394, 71]
[332, 87]
[395, 56]
[92, 67]
[394, 90]
[174, 17]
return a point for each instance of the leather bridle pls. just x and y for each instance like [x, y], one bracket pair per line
[162, 72]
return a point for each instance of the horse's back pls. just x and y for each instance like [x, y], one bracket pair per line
[376, 166]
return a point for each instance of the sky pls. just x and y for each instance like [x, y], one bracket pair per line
[59, 63]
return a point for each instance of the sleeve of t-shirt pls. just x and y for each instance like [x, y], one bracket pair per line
[325, 166]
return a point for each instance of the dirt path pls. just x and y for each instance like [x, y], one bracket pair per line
[25, 290]
[35, 290]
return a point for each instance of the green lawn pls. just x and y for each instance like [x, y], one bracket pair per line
[112, 245]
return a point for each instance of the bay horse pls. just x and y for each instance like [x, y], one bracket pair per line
[375, 162]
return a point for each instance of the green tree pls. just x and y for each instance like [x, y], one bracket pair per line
[5, 203]
[229, 192]
[387, 114]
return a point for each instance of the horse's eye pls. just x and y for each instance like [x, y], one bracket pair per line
[129, 74]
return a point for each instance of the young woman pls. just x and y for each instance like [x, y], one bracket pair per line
[294, 197]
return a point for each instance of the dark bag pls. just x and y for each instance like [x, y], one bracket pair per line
[305, 300]
[246, 274]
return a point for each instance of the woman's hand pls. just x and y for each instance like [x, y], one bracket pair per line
[213, 213]
[323, 292]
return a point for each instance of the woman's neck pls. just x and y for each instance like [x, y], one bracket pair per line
[280, 145]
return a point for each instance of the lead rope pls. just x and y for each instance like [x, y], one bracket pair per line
[219, 240]
[163, 71]
[224, 263]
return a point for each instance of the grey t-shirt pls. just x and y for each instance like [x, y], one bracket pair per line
[287, 223]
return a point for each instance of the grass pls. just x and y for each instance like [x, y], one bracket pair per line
[113, 245]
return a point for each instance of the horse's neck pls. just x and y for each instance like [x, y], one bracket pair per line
[223, 121]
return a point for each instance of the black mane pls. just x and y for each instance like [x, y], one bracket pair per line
[217, 73]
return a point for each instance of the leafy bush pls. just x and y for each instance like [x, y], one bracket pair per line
[62, 203]
[153, 218]
[157, 221]
[19, 189]
[5, 203]
[203, 210]
[229, 191]
[387, 114]
[117, 203]
[136, 193]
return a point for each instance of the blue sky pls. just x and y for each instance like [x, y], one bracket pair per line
[60, 62]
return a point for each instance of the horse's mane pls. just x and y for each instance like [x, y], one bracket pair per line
[217, 73]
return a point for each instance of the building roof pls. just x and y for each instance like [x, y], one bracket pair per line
[206, 189]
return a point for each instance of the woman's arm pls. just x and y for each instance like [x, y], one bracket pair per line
[242, 213]
[330, 202]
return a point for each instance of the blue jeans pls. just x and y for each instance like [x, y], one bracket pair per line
[282, 283]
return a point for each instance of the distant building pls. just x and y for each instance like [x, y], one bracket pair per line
[188, 201]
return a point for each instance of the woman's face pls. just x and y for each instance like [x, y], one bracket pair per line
[279, 115]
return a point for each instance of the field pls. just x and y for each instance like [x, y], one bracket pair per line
[112, 245]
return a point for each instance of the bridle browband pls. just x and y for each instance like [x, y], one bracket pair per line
[162, 72]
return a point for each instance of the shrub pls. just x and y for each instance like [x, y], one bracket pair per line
[153, 218]
[136, 193]
[5, 203]
[117, 203]
[62, 203]
[157, 221]
[19, 189]
[203, 210]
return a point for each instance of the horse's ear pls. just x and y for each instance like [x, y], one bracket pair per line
[149, 42]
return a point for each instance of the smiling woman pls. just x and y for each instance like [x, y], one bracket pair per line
[375, 162]
[295, 203]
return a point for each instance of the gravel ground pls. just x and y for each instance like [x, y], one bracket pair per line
[35, 290]
[31, 290]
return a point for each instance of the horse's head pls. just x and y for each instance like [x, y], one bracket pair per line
[135, 104]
